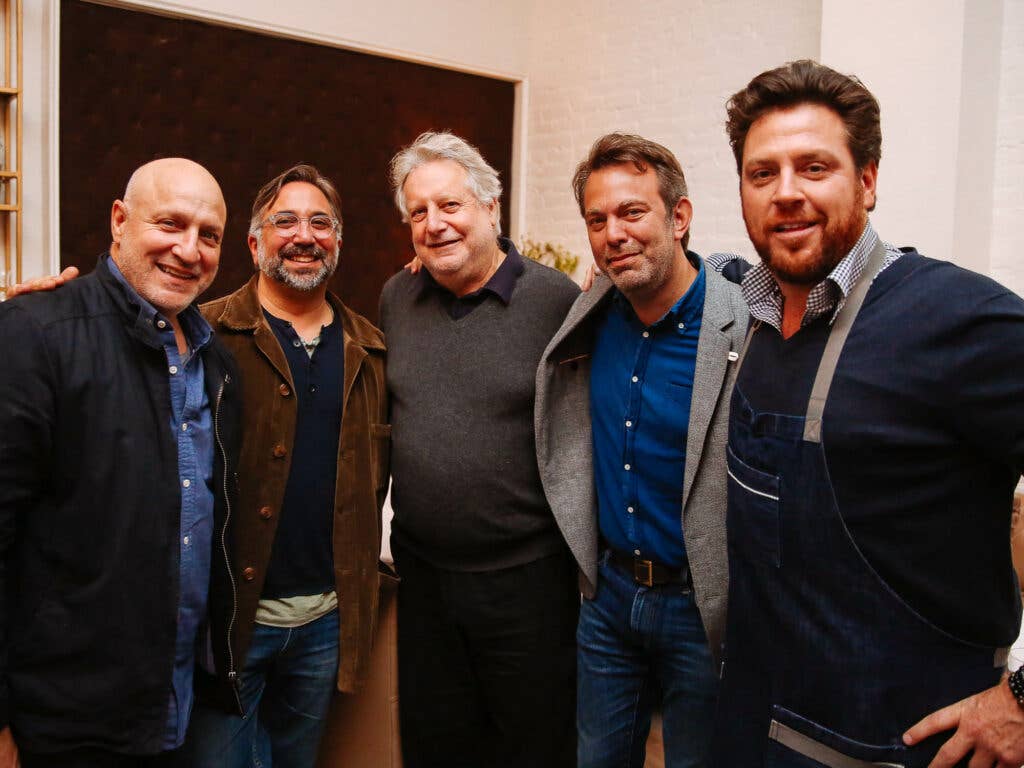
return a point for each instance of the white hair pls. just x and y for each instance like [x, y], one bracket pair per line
[481, 178]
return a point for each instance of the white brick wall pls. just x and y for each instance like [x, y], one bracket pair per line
[1007, 264]
[664, 73]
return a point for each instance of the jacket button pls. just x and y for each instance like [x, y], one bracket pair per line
[284, 390]
[280, 451]
[249, 573]
[266, 513]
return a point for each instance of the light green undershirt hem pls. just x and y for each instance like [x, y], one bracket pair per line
[289, 612]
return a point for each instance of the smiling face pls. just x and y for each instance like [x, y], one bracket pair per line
[804, 201]
[453, 233]
[634, 240]
[166, 234]
[303, 259]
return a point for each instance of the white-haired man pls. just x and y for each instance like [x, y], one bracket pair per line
[488, 601]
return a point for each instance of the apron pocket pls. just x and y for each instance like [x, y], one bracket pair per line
[795, 742]
[754, 511]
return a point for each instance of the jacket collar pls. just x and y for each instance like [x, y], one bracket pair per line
[243, 312]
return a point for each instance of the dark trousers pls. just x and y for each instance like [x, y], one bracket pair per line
[98, 758]
[487, 664]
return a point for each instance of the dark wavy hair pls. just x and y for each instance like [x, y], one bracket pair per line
[802, 82]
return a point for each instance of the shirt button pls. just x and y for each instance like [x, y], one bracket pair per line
[280, 451]
[173, 369]
[186, 483]
[629, 423]
[635, 379]
[636, 552]
[266, 513]
[284, 390]
[630, 510]
[312, 387]
[682, 326]
[249, 573]
[646, 334]
[161, 324]
[627, 467]
[296, 343]
[186, 541]
[184, 427]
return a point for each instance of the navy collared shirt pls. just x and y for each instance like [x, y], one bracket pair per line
[192, 427]
[501, 283]
[641, 380]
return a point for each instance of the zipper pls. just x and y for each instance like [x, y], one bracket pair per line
[232, 674]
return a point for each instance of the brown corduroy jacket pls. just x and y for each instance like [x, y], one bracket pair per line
[269, 412]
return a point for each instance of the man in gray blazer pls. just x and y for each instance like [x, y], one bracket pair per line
[631, 419]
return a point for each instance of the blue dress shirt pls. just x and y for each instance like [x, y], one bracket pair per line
[641, 381]
[192, 427]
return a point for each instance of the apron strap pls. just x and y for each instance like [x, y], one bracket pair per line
[834, 346]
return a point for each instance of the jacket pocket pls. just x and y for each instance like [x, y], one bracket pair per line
[796, 742]
[754, 511]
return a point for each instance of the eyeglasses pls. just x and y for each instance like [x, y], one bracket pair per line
[287, 224]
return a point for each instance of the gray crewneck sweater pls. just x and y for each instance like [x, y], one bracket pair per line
[465, 487]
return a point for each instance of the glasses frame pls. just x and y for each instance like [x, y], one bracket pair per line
[318, 234]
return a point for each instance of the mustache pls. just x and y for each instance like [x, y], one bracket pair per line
[304, 249]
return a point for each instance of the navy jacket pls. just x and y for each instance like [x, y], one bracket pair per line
[89, 509]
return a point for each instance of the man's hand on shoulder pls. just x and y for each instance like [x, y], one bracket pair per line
[8, 750]
[589, 276]
[990, 723]
[47, 283]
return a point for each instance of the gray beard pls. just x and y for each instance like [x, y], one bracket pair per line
[274, 268]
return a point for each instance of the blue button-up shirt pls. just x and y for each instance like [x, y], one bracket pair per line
[641, 380]
[192, 427]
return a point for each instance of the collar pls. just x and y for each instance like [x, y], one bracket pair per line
[197, 331]
[242, 312]
[502, 283]
[687, 310]
[763, 296]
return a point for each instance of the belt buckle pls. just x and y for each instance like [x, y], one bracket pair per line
[638, 569]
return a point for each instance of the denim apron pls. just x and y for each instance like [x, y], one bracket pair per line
[825, 665]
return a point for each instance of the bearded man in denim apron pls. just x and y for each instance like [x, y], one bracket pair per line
[876, 436]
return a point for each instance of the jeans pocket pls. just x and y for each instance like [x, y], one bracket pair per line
[796, 742]
[754, 511]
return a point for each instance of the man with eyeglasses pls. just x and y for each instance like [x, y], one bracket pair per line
[312, 477]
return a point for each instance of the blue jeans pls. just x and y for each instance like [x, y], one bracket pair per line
[287, 684]
[634, 643]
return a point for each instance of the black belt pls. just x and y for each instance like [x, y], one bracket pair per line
[648, 572]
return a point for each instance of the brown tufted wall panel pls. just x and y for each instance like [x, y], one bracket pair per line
[135, 86]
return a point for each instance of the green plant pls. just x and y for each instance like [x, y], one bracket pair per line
[557, 256]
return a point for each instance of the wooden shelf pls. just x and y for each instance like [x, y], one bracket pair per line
[11, 41]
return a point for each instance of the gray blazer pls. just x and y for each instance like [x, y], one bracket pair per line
[564, 449]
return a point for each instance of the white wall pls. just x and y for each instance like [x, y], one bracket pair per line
[948, 73]
[1007, 264]
[665, 73]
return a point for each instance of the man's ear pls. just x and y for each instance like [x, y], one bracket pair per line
[682, 214]
[118, 219]
[869, 181]
[254, 245]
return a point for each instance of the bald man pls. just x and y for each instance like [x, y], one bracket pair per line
[119, 416]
